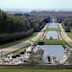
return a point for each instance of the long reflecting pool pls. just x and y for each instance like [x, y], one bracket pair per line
[52, 34]
[53, 25]
[52, 50]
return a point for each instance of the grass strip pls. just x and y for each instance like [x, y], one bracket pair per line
[52, 42]
[19, 41]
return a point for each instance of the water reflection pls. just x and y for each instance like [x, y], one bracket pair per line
[52, 35]
[53, 25]
[52, 50]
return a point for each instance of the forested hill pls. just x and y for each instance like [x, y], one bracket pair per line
[17, 27]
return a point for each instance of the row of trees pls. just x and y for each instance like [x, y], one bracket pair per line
[60, 19]
[16, 27]
[67, 24]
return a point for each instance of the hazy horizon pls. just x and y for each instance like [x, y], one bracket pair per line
[36, 4]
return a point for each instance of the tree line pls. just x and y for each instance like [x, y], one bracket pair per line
[66, 22]
[14, 27]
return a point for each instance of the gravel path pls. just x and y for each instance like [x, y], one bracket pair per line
[65, 36]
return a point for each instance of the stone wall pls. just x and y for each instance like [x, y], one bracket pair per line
[37, 66]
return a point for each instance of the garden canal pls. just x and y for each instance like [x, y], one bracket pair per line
[52, 35]
[55, 51]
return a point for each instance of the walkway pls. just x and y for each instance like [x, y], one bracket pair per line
[65, 36]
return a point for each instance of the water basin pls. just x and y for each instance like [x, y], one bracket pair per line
[51, 50]
[53, 25]
[52, 34]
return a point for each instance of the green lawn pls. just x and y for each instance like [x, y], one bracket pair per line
[53, 29]
[69, 34]
[19, 41]
[53, 42]
[35, 70]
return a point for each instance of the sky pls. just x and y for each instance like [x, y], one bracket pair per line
[36, 4]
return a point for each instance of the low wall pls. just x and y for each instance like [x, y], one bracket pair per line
[22, 66]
